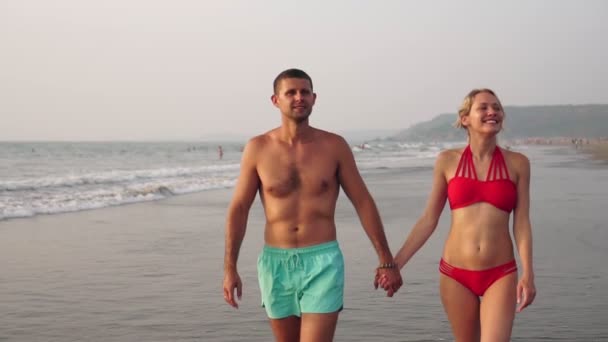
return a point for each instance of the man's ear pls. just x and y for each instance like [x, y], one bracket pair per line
[274, 99]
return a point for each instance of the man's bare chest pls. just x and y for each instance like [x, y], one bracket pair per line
[282, 176]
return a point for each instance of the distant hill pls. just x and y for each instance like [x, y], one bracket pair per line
[589, 121]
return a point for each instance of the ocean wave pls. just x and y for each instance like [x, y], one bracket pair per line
[35, 203]
[112, 177]
[103, 183]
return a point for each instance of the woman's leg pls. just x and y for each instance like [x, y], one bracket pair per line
[462, 308]
[498, 309]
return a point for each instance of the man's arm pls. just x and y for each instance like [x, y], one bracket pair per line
[236, 222]
[522, 232]
[356, 190]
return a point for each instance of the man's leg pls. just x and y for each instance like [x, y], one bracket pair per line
[277, 286]
[318, 327]
[286, 329]
[322, 298]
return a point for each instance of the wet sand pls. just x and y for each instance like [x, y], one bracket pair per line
[153, 271]
[597, 151]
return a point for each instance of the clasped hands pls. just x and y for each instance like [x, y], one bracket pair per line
[388, 279]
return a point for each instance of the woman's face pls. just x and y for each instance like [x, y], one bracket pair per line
[486, 115]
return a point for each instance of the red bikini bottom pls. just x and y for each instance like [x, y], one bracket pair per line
[477, 281]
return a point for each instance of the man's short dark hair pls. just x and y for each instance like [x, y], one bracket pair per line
[290, 73]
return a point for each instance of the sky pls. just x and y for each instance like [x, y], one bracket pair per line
[197, 70]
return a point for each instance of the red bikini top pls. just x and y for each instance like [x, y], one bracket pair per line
[498, 189]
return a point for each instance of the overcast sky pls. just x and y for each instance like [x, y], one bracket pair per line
[151, 69]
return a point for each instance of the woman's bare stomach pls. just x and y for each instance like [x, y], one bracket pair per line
[478, 248]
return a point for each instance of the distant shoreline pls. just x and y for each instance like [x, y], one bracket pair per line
[596, 148]
[576, 141]
[597, 151]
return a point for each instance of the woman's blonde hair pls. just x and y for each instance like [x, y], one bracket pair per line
[467, 103]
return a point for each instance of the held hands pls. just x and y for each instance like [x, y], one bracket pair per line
[526, 291]
[388, 279]
[232, 281]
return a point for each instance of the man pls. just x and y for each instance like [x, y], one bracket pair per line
[298, 171]
[220, 152]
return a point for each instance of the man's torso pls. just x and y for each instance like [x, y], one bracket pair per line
[299, 188]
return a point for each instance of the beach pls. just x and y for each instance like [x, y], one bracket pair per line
[598, 151]
[152, 271]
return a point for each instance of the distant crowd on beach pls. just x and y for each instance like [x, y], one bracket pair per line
[220, 150]
[596, 147]
[576, 141]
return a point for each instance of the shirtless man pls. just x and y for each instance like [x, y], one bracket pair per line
[298, 171]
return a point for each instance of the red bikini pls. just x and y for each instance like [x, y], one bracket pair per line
[477, 281]
[464, 190]
[498, 189]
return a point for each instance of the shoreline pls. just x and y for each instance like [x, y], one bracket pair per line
[597, 151]
[595, 148]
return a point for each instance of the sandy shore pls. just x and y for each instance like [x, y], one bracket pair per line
[598, 151]
[597, 148]
[152, 271]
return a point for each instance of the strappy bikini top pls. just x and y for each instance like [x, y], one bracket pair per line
[498, 189]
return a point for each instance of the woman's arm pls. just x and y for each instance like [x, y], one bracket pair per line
[522, 232]
[426, 224]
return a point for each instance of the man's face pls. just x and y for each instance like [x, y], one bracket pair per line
[294, 98]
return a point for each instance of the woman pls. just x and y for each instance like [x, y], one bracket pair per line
[483, 184]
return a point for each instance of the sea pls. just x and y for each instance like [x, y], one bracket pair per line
[152, 271]
[42, 178]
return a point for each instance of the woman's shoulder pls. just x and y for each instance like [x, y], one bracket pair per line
[449, 156]
[451, 153]
[514, 155]
[517, 159]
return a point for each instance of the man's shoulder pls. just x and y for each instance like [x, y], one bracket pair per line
[262, 139]
[329, 136]
[257, 143]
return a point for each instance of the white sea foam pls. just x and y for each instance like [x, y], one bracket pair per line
[63, 177]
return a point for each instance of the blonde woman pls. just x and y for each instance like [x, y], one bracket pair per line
[484, 184]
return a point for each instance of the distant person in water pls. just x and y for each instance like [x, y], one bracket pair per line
[483, 184]
[298, 171]
[220, 152]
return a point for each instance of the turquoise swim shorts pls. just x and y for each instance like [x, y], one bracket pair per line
[301, 280]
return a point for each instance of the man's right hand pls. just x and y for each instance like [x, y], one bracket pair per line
[232, 281]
